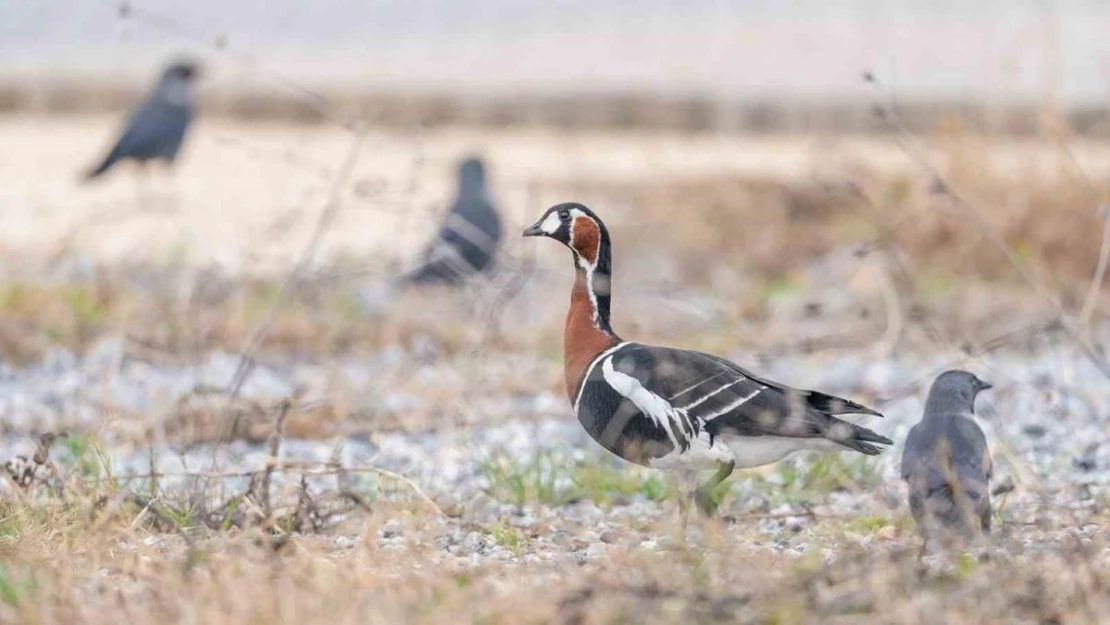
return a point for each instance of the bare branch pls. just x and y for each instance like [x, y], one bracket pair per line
[1091, 301]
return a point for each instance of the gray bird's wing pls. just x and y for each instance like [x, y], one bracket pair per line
[154, 130]
[913, 455]
[943, 456]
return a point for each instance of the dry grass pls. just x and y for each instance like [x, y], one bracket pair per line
[773, 228]
[90, 557]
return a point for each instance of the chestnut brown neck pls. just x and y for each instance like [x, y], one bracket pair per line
[587, 332]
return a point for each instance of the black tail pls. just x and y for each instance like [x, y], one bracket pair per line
[830, 404]
[861, 440]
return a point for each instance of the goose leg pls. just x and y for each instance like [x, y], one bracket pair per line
[703, 495]
[684, 486]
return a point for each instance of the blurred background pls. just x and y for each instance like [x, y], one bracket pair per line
[852, 196]
[993, 51]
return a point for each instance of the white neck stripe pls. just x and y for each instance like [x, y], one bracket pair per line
[588, 267]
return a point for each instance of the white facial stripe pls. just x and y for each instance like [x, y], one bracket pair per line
[551, 224]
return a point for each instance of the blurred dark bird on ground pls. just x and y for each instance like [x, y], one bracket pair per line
[946, 462]
[469, 236]
[156, 128]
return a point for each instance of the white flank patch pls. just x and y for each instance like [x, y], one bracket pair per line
[756, 451]
[702, 456]
[589, 370]
[655, 407]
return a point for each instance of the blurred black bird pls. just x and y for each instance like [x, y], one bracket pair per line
[946, 462]
[469, 236]
[156, 128]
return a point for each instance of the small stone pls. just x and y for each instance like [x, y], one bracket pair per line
[473, 542]
[450, 504]
[524, 520]
[887, 532]
[586, 538]
[391, 544]
[1034, 431]
[391, 529]
[610, 536]
[344, 542]
[1085, 463]
[597, 549]
[562, 539]
[795, 524]
[481, 509]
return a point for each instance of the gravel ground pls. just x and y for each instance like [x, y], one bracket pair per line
[1045, 421]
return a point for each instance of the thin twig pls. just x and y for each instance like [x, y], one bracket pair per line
[307, 468]
[1100, 270]
[895, 317]
[809, 514]
[166, 24]
[323, 222]
[905, 140]
[275, 449]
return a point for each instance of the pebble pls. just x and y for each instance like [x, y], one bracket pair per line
[596, 550]
[390, 529]
[473, 543]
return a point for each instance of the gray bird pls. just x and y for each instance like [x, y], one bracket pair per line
[467, 240]
[156, 127]
[946, 462]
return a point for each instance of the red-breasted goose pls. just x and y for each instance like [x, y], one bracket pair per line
[672, 408]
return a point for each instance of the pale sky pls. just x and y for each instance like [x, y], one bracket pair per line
[993, 49]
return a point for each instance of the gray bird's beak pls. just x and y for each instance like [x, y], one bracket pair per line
[984, 385]
[534, 230]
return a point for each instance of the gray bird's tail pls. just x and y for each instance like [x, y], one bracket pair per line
[99, 170]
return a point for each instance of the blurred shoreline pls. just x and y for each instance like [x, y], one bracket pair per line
[597, 110]
[998, 67]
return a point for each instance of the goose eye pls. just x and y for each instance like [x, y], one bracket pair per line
[564, 214]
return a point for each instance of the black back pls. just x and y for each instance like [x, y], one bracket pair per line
[705, 396]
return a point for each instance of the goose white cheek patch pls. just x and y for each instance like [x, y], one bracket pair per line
[550, 224]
